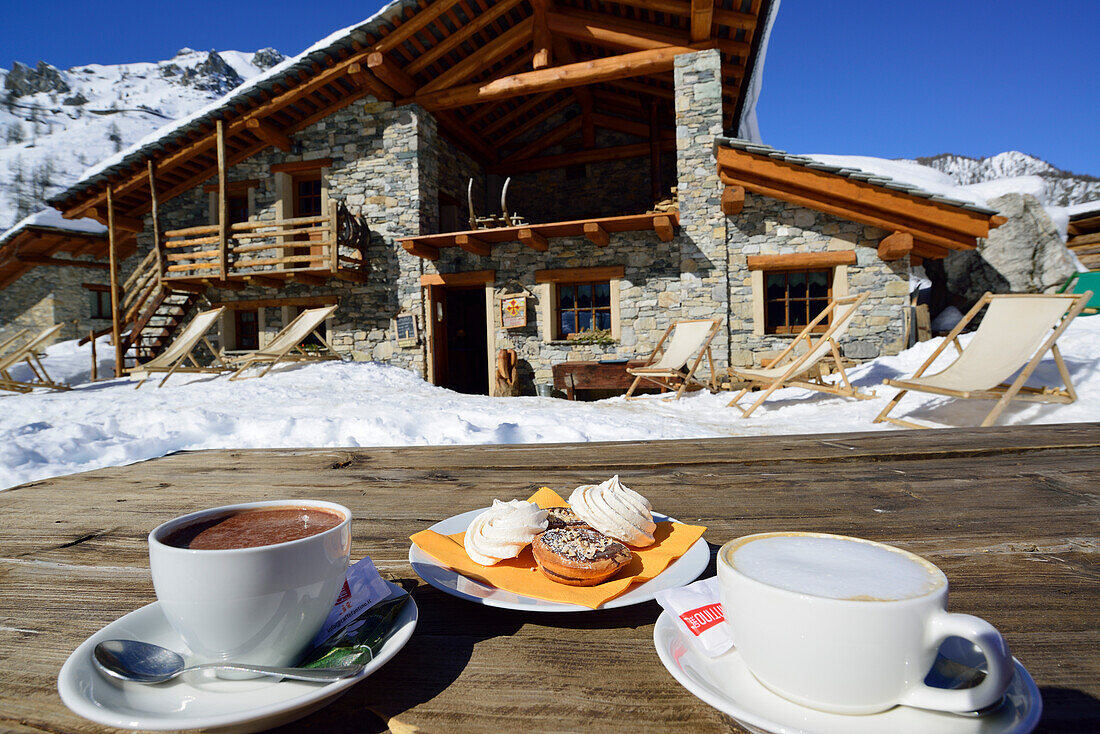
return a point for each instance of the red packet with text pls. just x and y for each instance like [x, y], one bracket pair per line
[697, 610]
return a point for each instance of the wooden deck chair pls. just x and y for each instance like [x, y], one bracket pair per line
[182, 348]
[1078, 283]
[282, 346]
[665, 366]
[791, 370]
[1016, 332]
[30, 352]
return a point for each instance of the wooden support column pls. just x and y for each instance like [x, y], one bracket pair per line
[223, 205]
[334, 232]
[702, 19]
[112, 244]
[543, 54]
[158, 242]
[654, 153]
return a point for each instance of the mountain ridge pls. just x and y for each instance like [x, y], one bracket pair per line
[1063, 187]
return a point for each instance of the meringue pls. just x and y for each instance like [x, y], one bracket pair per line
[616, 511]
[503, 531]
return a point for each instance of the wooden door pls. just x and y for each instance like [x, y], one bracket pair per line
[459, 336]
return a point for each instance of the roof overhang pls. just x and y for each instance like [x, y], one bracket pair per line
[936, 227]
[486, 73]
[34, 245]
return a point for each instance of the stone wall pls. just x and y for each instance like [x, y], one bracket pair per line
[48, 294]
[704, 262]
[770, 227]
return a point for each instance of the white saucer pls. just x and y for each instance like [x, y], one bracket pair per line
[196, 701]
[726, 684]
[680, 572]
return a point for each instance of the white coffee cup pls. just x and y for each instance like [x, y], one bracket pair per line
[847, 625]
[259, 605]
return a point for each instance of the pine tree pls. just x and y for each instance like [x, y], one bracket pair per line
[15, 133]
[115, 136]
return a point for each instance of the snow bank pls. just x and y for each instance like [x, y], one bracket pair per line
[104, 424]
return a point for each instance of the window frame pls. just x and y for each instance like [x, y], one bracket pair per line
[558, 311]
[787, 328]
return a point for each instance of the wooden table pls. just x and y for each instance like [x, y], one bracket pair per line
[1011, 514]
[572, 376]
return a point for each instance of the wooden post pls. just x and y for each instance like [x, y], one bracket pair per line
[223, 205]
[158, 243]
[95, 366]
[541, 37]
[334, 227]
[654, 153]
[112, 243]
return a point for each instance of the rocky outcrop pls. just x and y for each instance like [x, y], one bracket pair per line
[265, 58]
[1024, 255]
[22, 80]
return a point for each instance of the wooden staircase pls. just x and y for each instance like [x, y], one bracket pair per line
[153, 310]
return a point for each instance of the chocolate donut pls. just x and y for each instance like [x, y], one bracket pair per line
[579, 556]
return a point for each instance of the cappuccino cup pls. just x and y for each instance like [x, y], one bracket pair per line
[251, 583]
[849, 626]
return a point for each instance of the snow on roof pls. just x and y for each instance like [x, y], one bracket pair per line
[1084, 209]
[332, 42]
[904, 176]
[52, 219]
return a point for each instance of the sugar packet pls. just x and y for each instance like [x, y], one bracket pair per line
[360, 621]
[697, 609]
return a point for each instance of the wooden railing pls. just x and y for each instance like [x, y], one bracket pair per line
[332, 242]
[139, 287]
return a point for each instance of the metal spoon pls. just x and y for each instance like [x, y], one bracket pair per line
[143, 662]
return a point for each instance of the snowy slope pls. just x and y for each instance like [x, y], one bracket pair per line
[54, 124]
[1062, 187]
[110, 423]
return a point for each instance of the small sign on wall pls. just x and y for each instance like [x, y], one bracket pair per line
[405, 327]
[513, 310]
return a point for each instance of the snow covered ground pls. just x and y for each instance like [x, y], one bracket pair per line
[44, 434]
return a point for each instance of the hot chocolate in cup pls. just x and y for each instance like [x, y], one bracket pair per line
[847, 625]
[251, 583]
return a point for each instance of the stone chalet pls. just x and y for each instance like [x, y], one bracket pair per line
[370, 171]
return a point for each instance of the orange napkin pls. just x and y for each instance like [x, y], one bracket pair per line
[520, 575]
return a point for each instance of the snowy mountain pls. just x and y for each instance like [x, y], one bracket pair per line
[54, 124]
[1062, 187]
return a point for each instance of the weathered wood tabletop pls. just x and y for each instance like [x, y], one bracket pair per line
[1011, 515]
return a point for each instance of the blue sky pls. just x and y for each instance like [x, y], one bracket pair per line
[890, 78]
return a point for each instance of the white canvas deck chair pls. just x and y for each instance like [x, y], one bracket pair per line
[667, 370]
[286, 346]
[791, 370]
[1016, 332]
[30, 353]
[182, 348]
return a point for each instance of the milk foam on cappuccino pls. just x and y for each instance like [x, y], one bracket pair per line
[835, 568]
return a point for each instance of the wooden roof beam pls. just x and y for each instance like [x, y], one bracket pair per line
[728, 18]
[514, 131]
[549, 140]
[421, 20]
[126, 224]
[460, 36]
[702, 19]
[45, 260]
[602, 30]
[387, 70]
[270, 134]
[509, 117]
[595, 155]
[638, 63]
[502, 46]
[366, 81]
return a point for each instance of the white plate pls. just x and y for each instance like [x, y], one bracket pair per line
[197, 700]
[683, 570]
[726, 684]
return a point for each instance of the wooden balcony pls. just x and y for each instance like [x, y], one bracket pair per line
[598, 231]
[269, 253]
